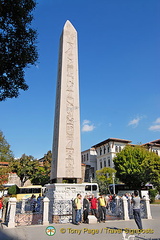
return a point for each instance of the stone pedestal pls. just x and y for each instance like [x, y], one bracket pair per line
[12, 212]
[148, 209]
[61, 196]
[45, 211]
[125, 208]
[92, 219]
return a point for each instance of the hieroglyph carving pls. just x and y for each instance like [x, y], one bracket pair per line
[69, 163]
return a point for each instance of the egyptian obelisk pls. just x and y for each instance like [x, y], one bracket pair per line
[66, 154]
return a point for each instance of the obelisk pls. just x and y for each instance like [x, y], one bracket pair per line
[66, 153]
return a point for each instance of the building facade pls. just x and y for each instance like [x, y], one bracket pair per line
[89, 159]
[102, 154]
[153, 146]
[106, 151]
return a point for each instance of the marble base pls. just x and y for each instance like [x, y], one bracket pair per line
[64, 191]
[92, 219]
[61, 196]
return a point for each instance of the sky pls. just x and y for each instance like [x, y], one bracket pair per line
[119, 75]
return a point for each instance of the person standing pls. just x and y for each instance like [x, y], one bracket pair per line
[136, 209]
[33, 203]
[102, 208]
[94, 205]
[39, 201]
[85, 209]
[78, 206]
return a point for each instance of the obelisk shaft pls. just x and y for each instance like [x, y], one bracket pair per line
[66, 160]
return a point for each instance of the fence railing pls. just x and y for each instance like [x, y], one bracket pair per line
[23, 212]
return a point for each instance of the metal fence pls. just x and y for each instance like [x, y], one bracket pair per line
[115, 209]
[143, 210]
[28, 213]
[62, 211]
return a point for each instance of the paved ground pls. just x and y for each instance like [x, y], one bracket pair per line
[111, 230]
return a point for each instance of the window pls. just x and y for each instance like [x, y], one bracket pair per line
[108, 149]
[88, 188]
[120, 149]
[87, 156]
[109, 162]
[100, 151]
[116, 149]
[104, 149]
[94, 187]
[100, 164]
[82, 158]
[104, 163]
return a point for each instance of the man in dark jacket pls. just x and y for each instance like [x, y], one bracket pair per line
[85, 209]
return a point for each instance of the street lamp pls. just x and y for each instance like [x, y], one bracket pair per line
[91, 183]
[113, 177]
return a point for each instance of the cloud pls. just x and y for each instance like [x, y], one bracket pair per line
[87, 126]
[157, 121]
[134, 122]
[156, 126]
[86, 122]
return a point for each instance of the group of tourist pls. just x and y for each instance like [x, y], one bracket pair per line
[98, 207]
[36, 203]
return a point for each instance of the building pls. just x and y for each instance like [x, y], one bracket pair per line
[89, 159]
[106, 151]
[102, 154]
[153, 146]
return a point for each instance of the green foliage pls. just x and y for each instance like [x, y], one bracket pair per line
[152, 194]
[136, 166]
[42, 175]
[18, 49]
[104, 178]
[25, 167]
[12, 190]
[3, 176]
[6, 154]
[152, 169]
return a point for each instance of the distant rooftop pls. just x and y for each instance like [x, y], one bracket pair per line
[153, 143]
[111, 140]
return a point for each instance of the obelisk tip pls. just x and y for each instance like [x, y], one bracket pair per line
[69, 24]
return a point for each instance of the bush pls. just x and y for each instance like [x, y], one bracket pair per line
[152, 194]
[12, 190]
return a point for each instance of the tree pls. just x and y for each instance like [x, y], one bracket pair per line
[152, 169]
[6, 154]
[42, 175]
[3, 176]
[25, 167]
[136, 166]
[17, 49]
[104, 178]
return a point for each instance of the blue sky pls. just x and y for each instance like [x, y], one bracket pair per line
[119, 75]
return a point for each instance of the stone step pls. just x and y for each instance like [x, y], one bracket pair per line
[92, 219]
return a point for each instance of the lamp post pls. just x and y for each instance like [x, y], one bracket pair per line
[113, 177]
[91, 183]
